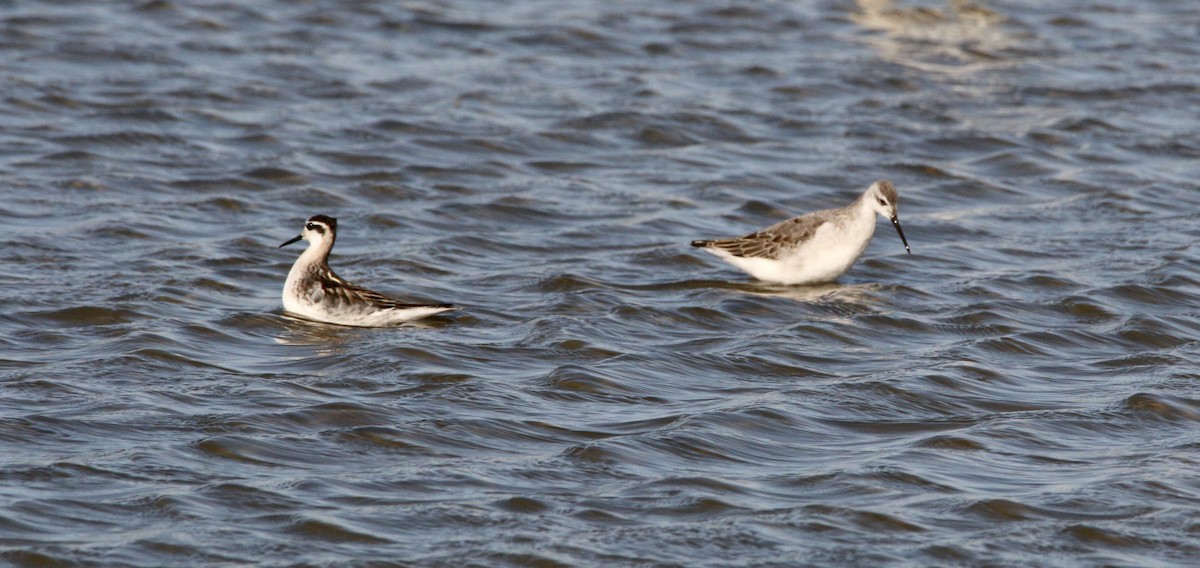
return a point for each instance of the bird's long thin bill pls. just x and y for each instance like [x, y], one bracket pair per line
[896, 222]
[298, 237]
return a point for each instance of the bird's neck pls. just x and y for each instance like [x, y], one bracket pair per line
[864, 208]
[314, 259]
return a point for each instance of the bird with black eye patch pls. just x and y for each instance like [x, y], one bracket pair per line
[813, 248]
[313, 291]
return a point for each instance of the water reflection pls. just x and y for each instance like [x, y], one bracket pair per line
[294, 330]
[820, 293]
[960, 37]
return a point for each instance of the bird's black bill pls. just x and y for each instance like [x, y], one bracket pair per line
[298, 237]
[896, 222]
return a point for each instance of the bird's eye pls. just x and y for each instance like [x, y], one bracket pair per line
[310, 226]
[882, 202]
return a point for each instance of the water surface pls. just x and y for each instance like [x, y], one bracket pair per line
[1021, 390]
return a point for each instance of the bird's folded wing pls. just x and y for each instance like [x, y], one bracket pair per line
[771, 242]
[350, 293]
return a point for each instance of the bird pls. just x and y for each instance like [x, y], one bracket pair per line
[313, 291]
[814, 248]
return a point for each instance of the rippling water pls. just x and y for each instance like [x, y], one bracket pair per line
[1022, 390]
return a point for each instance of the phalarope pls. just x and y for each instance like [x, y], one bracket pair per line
[313, 291]
[815, 247]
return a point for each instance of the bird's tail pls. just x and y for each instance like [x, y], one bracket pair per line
[701, 244]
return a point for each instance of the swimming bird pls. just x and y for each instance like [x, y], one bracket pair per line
[313, 291]
[812, 248]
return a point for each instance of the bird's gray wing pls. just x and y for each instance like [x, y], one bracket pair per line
[345, 292]
[771, 242]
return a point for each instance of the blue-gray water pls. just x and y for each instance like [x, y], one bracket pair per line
[1022, 390]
